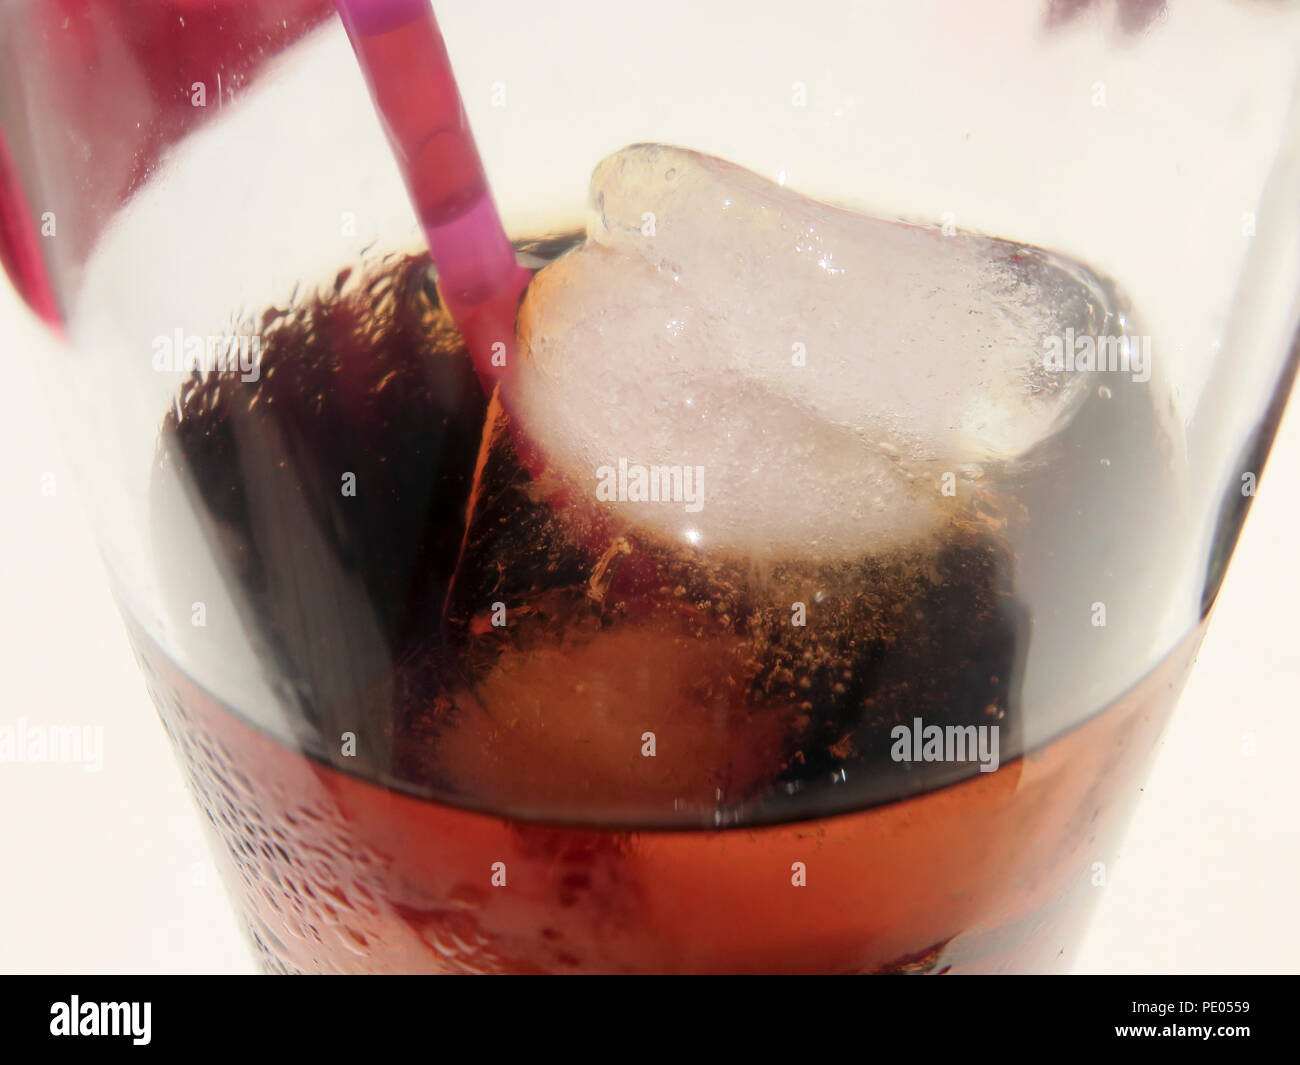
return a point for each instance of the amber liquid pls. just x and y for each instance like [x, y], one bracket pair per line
[995, 874]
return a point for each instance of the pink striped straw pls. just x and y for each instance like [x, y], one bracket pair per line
[402, 56]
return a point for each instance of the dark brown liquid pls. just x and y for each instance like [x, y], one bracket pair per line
[421, 654]
[367, 515]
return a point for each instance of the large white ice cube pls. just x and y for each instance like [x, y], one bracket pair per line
[823, 369]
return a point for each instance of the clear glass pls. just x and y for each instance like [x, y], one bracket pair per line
[445, 715]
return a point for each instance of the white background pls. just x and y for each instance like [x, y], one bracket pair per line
[108, 872]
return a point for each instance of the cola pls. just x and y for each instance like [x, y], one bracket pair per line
[468, 697]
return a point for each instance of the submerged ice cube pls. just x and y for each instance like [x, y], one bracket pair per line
[818, 370]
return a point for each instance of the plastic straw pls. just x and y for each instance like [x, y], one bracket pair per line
[402, 56]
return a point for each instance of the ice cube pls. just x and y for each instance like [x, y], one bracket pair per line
[819, 368]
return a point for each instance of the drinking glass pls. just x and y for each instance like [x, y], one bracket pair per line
[445, 705]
